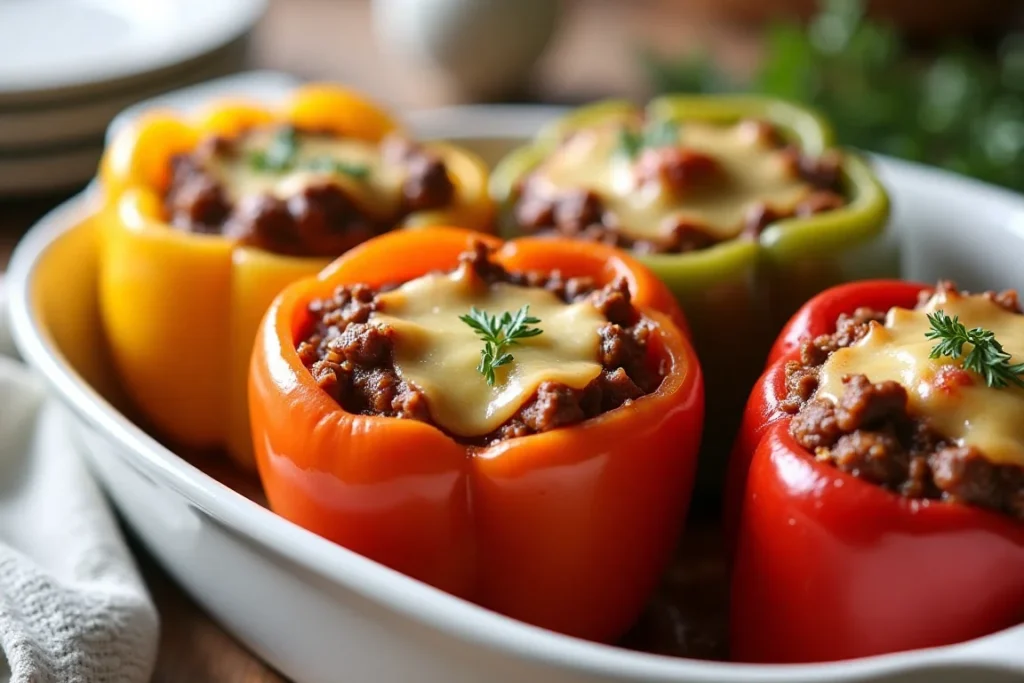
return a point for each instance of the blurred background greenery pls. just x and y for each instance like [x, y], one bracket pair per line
[957, 104]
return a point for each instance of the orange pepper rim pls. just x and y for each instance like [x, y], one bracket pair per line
[930, 510]
[438, 249]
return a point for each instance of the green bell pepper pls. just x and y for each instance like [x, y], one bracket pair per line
[738, 293]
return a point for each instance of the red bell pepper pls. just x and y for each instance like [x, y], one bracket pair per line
[816, 317]
[828, 566]
[568, 529]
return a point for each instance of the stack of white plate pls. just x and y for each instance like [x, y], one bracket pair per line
[67, 67]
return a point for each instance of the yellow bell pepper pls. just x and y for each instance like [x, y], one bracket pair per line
[181, 309]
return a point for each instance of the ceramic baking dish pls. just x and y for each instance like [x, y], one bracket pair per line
[320, 613]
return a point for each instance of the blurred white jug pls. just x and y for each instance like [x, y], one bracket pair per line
[487, 47]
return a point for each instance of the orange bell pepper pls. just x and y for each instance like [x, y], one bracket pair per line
[181, 309]
[567, 529]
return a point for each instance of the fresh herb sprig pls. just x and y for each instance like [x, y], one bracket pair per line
[281, 155]
[658, 133]
[498, 334]
[986, 357]
[326, 164]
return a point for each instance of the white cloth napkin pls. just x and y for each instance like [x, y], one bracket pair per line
[73, 608]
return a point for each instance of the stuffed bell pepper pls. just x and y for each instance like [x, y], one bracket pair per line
[742, 205]
[207, 217]
[877, 486]
[515, 423]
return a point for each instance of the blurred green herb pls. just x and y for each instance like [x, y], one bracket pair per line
[962, 109]
[281, 155]
[659, 133]
[326, 164]
[630, 142]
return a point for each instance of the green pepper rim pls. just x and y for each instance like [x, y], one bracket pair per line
[862, 218]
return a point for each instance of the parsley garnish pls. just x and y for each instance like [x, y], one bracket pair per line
[986, 357]
[281, 156]
[326, 164]
[498, 334]
[630, 142]
[659, 133]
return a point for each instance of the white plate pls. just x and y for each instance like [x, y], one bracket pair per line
[52, 46]
[63, 121]
[320, 613]
[52, 149]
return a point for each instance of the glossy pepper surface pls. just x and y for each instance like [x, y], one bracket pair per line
[737, 293]
[567, 529]
[181, 309]
[828, 566]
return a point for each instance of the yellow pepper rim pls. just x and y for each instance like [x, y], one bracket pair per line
[134, 160]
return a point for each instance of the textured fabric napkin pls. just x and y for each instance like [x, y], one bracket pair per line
[73, 608]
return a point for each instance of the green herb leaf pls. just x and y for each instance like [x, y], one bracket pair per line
[279, 155]
[326, 164]
[499, 333]
[630, 142]
[986, 357]
[658, 133]
[661, 133]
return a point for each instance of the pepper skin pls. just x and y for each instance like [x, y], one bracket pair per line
[181, 309]
[828, 566]
[568, 529]
[737, 294]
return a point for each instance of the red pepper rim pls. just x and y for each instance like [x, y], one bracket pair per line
[819, 314]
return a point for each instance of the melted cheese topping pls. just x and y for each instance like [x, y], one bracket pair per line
[438, 353]
[378, 193]
[992, 420]
[753, 172]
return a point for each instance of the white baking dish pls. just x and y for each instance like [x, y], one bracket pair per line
[320, 613]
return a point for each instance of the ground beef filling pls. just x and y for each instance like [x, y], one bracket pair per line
[318, 220]
[352, 360]
[580, 214]
[871, 434]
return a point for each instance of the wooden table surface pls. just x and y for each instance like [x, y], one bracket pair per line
[593, 55]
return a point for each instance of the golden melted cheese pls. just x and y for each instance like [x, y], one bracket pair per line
[753, 172]
[991, 420]
[438, 353]
[378, 193]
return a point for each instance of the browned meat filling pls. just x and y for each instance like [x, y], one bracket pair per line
[319, 219]
[353, 362]
[871, 434]
[580, 214]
